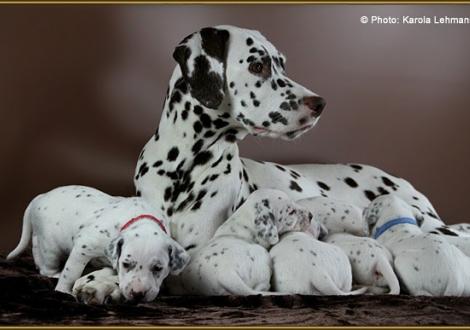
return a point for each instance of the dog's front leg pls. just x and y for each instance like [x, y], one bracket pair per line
[98, 287]
[73, 268]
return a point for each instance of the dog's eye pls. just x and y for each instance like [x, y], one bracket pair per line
[156, 269]
[126, 265]
[256, 67]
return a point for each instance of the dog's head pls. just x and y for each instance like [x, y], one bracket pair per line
[385, 208]
[143, 259]
[276, 214]
[240, 72]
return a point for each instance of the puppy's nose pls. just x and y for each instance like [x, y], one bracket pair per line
[138, 295]
[315, 103]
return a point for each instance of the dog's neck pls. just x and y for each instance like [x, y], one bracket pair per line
[190, 138]
[192, 128]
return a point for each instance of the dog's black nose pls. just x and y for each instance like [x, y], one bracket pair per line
[138, 296]
[315, 103]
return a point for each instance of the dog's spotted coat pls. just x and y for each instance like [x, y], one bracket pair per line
[231, 82]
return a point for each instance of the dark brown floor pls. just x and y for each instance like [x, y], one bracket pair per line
[27, 298]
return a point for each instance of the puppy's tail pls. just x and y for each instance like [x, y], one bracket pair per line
[383, 267]
[328, 287]
[25, 235]
[236, 286]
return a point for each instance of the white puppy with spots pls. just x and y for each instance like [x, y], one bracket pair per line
[235, 261]
[427, 264]
[370, 261]
[81, 224]
[304, 265]
[337, 216]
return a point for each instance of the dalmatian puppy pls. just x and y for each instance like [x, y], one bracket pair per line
[337, 216]
[235, 261]
[371, 262]
[426, 263]
[304, 265]
[230, 82]
[83, 225]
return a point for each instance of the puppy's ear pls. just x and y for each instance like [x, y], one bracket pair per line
[179, 258]
[323, 232]
[202, 59]
[113, 251]
[265, 229]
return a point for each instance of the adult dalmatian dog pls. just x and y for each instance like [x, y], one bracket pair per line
[231, 82]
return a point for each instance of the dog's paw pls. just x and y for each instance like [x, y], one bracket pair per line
[99, 288]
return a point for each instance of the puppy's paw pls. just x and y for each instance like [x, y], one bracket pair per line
[98, 288]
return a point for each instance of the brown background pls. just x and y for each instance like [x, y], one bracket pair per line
[81, 89]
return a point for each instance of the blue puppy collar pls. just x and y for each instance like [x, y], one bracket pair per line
[389, 224]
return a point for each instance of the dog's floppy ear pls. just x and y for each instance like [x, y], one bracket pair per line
[202, 59]
[179, 258]
[113, 251]
[323, 232]
[266, 230]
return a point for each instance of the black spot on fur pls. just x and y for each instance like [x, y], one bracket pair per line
[197, 146]
[294, 174]
[197, 126]
[370, 195]
[295, 186]
[276, 117]
[245, 175]
[202, 158]
[173, 154]
[446, 231]
[351, 182]
[382, 191]
[281, 83]
[205, 120]
[167, 195]
[143, 169]
[219, 123]
[323, 185]
[217, 161]
[389, 183]
[196, 206]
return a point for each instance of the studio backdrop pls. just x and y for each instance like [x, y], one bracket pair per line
[82, 87]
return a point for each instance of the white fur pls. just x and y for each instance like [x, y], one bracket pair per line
[370, 261]
[304, 265]
[337, 216]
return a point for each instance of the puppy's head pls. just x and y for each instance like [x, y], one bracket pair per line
[143, 259]
[242, 75]
[275, 214]
[385, 208]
